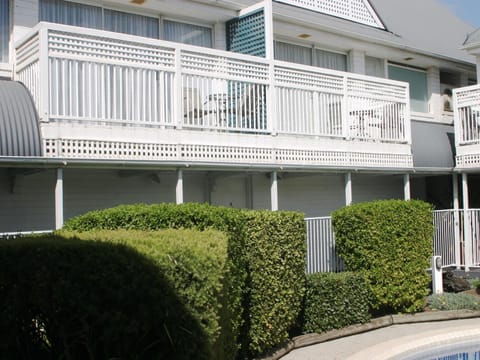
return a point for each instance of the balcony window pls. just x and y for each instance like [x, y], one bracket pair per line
[71, 13]
[76, 14]
[4, 29]
[133, 24]
[310, 56]
[374, 66]
[418, 85]
[293, 53]
[187, 33]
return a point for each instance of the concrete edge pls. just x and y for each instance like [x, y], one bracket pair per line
[381, 322]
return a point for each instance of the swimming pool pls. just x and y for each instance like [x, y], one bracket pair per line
[469, 350]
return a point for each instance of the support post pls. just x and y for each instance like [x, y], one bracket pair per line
[406, 186]
[467, 230]
[179, 187]
[348, 189]
[274, 191]
[456, 219]
[59, 199]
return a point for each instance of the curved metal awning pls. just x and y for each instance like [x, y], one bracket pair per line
[19, 126]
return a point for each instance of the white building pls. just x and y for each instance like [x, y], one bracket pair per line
[288, 104]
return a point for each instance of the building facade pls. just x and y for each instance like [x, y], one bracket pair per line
[292, 105]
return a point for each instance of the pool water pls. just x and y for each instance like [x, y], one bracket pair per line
[457, 351]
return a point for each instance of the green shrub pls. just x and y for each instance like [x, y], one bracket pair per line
[451, 301]
[266, 261]
[336, 300]
[276, 259]
[131, 295]
[390, 242]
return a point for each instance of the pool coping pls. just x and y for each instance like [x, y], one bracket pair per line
[377, 323]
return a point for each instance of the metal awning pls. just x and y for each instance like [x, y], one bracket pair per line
[19, 127]
[433, 146]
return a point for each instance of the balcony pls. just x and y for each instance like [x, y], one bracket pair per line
[109, 96]
[467, 126]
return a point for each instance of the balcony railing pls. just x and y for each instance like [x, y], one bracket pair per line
[94, 78]
[467, 125]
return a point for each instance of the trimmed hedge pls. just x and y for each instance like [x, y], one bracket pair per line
[266, 261]
[390, 242]
[336, 300]
[130, 295]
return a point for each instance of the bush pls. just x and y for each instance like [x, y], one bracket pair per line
[266, 261]
[449, 301]
[333, 301]
[129, 296]
[390, 242]
[276, 250]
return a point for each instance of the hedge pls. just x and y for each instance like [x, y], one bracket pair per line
[266, 260]
[129, 295]
[335, 300]
[390, 242]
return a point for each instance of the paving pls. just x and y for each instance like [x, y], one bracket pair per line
[384, 338]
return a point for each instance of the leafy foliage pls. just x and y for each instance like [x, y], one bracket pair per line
[266, 262]
[276, 251]
[336, 300]
[450, 301]
[118, 295]
[390, 242]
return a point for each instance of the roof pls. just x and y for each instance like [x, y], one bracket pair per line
[426, 25]
[19, 127]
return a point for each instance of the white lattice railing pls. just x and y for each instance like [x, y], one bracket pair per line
[91, 78]
[467, 126]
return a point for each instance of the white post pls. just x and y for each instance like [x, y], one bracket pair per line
[348, 189]
[269, 55]
[274, 191]
[437, 278]
[467, 233]
[406, 186]
[59, 200]
[177, 91]
[179, 188]
[456, 219]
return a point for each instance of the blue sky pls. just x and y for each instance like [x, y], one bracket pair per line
[468, 10]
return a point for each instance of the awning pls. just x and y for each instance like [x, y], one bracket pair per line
[19, 127]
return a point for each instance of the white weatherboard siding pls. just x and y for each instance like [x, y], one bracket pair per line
[31, 205]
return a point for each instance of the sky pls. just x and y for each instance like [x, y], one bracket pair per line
[468, 10]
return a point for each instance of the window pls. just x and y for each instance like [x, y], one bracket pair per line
[130, 23]
[76, 14]
[70, 13]
[4, 29]
[293, 53]
[310, 56]
[330, 60]
[374, 66]
[187, 33]
[418, 85]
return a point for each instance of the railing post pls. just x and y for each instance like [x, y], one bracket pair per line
[457, 121]
[274, 191]
[467, 223]
[44, 74]
[407, 118]
[456, 220]
[179, 187]
[178, 90]
[345, 110]
[269, 55]
[59, 199]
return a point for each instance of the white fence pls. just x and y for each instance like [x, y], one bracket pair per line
[456, 240]
[91, 76]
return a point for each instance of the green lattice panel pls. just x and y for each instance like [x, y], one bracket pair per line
[246, 34]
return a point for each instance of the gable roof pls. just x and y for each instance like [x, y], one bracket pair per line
[426, 25]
